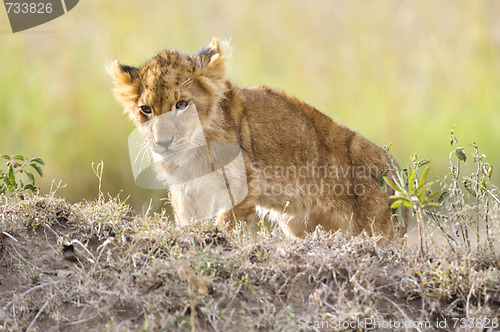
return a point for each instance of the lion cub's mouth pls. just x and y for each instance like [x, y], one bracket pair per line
[158, 149]
[179, 146]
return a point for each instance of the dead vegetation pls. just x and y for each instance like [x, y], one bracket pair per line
[96, 265]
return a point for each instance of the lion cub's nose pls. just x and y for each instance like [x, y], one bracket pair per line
[163, 131]
[164, 142]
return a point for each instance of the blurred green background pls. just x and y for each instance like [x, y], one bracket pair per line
[400, 72]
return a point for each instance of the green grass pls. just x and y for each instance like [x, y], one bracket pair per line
[403, 72]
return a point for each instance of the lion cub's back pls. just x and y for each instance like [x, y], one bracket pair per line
[281, 127]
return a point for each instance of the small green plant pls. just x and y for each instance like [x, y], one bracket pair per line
[466, 201]
[17, 180]
[478, 198]
[414, 192]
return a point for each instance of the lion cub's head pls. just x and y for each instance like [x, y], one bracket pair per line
[174, 96]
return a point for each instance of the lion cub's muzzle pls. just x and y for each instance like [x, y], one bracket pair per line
[174, 131]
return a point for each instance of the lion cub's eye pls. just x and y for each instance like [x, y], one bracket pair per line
[181, 105]
[146, 110]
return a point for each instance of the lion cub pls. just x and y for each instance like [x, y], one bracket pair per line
[230, 151]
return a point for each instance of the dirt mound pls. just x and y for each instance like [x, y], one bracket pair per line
[97, 266]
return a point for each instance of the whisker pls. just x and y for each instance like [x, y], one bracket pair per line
[143, 146]
[146, 154]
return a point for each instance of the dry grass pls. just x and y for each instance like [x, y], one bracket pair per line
[96, 265]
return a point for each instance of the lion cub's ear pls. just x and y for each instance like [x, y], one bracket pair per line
[127, 83]
[214, 59]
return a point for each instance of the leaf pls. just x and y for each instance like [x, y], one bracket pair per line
[399, 203]
[31, 177]
[381, 177]
[460, 153]
[423, 162]
[468, 186]
[432, 195]
[6, 156]
[37, 168]
[396, 204]
[424, 189]
[382, 181]
[443, 196]
[12, 178]
[483, 185]
[487, 170]
[422, 178]
[399, 198]
[400, 181]
[30, 187]
[19, 157]
[427, 200]
[392, 184]
[6, 181]
[38, 160]
[411, 179]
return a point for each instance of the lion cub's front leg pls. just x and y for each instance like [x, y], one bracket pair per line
[243, 212]
[190, 207]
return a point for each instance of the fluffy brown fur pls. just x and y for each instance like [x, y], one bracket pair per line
[299, 163]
